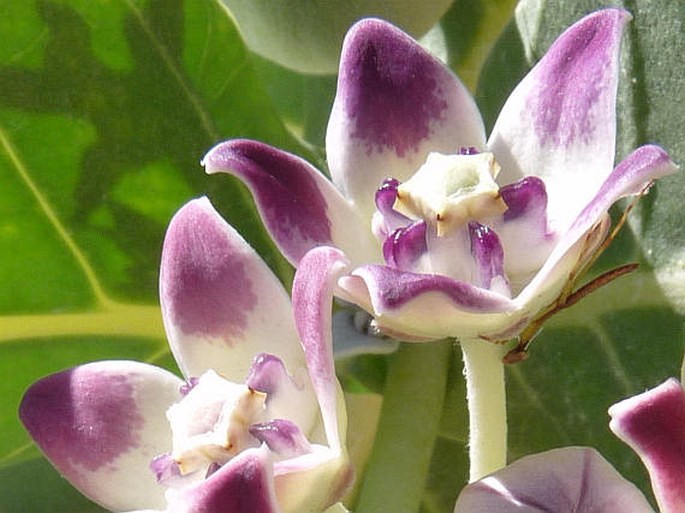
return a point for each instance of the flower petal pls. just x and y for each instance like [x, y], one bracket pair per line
[299, 206]
[653, 424]
[101, 425]
[395, 103]
[313, 481]
[560, 121]
[568, 480]
[221, 304]
[631, 176]
[312, 296]
[427, 306]
[244, 485]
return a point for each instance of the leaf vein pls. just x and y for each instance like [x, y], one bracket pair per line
[81, 259]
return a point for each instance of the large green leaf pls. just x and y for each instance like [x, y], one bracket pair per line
[105, 111]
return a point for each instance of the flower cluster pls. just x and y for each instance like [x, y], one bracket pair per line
[258, 425]
[442, 232]
[452, 234]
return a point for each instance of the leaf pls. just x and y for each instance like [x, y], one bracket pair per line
[471, 28]
[106, 109]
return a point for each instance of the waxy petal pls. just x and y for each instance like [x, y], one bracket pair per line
[653, 424]
[244, 485]
[560, 121]
[221, 304]
[415, 306]
[312, 296]
[101, 425]
[299, 206]
[568, 480]
[313, 481]
[395, 103]
[631, 176]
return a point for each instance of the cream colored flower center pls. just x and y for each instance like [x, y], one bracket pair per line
[449, 190]
[210, 424]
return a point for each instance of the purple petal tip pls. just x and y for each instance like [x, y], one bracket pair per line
[576, 70]
[203, 264]
[285, 189]
[391, 86]
[82, 418]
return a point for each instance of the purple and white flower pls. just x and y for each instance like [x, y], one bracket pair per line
[566, 480]
[258, 424]
[450, 233]
[653, 424]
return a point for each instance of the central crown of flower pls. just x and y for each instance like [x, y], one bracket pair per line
[452, 210]
[448, 190]
[211, 423]
[217, 419]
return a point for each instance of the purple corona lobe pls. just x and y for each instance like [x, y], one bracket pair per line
[487, 251]
[405, 245]
[282, 436]
[470, 150]
[82, 419]
[190, 383]
[201, 274]
[574, 74]
[392, 89]
[386, 196]
[525, 197]
[165, 468]
[266, 374]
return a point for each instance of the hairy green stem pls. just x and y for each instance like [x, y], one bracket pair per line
[486, 398]
[396, 475]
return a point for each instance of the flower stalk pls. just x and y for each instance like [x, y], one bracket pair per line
[408, 426]
[486, 398]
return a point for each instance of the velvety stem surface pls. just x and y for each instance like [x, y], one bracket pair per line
[486, 398]
[408, 426]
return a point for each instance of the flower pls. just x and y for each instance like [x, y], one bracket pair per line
[653, 424]
[451, 235]
[258, 425]
[570, 479]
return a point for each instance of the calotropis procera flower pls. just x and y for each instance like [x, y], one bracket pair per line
[258, 425]
[450, 234]
[653, 424]
[566, 480]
